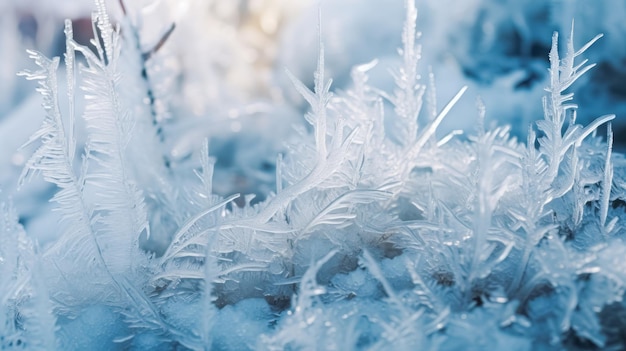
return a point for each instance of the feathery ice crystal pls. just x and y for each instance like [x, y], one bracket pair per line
[380, 233]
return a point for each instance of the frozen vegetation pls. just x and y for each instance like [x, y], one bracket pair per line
[171, 187]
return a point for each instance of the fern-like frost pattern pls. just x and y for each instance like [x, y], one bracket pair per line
[380, 233]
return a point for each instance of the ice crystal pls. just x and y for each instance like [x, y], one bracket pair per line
[373, 228]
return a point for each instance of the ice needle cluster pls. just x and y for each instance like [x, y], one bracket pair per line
[380, 233]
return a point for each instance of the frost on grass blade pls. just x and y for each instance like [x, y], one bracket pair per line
[563, 73]
[121, 207]
[407, 98]
[53, 159]
[608, 178]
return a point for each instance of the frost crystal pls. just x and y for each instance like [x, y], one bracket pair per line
[367, 227]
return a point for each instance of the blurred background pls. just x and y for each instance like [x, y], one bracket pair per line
[234, 52]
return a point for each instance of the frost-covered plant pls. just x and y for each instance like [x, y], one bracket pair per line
[380, 234]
